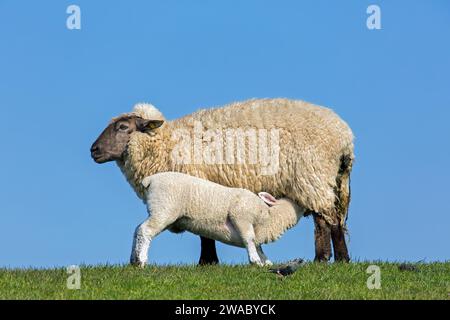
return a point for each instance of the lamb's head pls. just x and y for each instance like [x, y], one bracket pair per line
[282, 206]
[112, 143]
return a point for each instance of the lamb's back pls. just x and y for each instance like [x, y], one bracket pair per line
[194, 197]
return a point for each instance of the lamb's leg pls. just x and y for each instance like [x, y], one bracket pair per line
[208, 253]
[247, 234]
[322, 235]
[143, 236]
[263, 257]
[253, 256]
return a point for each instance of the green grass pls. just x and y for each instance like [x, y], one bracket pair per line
[313, 281]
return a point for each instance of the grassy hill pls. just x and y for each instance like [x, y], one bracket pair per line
[313, 281]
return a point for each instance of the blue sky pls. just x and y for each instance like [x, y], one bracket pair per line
[60, 87]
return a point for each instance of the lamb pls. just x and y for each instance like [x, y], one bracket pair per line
[311, 147]
[180, 202]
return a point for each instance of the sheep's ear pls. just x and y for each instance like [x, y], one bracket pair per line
[145, 124]
[146, 182]
[267, 198]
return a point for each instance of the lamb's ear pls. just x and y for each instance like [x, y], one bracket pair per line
[145, 124]
[267, 198]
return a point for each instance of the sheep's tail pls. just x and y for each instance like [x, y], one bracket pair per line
[343, 191]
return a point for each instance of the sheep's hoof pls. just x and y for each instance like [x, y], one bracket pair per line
[203, 262]
[322, 258]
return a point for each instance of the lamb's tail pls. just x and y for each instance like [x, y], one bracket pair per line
[342, 190]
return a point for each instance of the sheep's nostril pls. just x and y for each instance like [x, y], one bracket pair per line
[94, 149]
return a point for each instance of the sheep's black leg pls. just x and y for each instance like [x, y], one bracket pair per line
[339, 245]
[208, 254]
[322, 236]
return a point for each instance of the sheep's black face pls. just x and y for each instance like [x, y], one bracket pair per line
[113, 141]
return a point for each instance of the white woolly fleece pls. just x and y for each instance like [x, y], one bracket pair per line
[312, 142]
[147, 111]
[235, 216]
[208, 209]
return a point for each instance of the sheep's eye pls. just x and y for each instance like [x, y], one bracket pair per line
[123, 127]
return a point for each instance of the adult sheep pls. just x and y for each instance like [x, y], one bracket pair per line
[311, 147]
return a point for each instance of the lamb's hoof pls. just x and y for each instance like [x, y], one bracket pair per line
[136, 263]
[257, 263]
[139, 264]
[268, 263]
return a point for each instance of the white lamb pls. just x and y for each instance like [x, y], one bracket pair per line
[234, 216]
